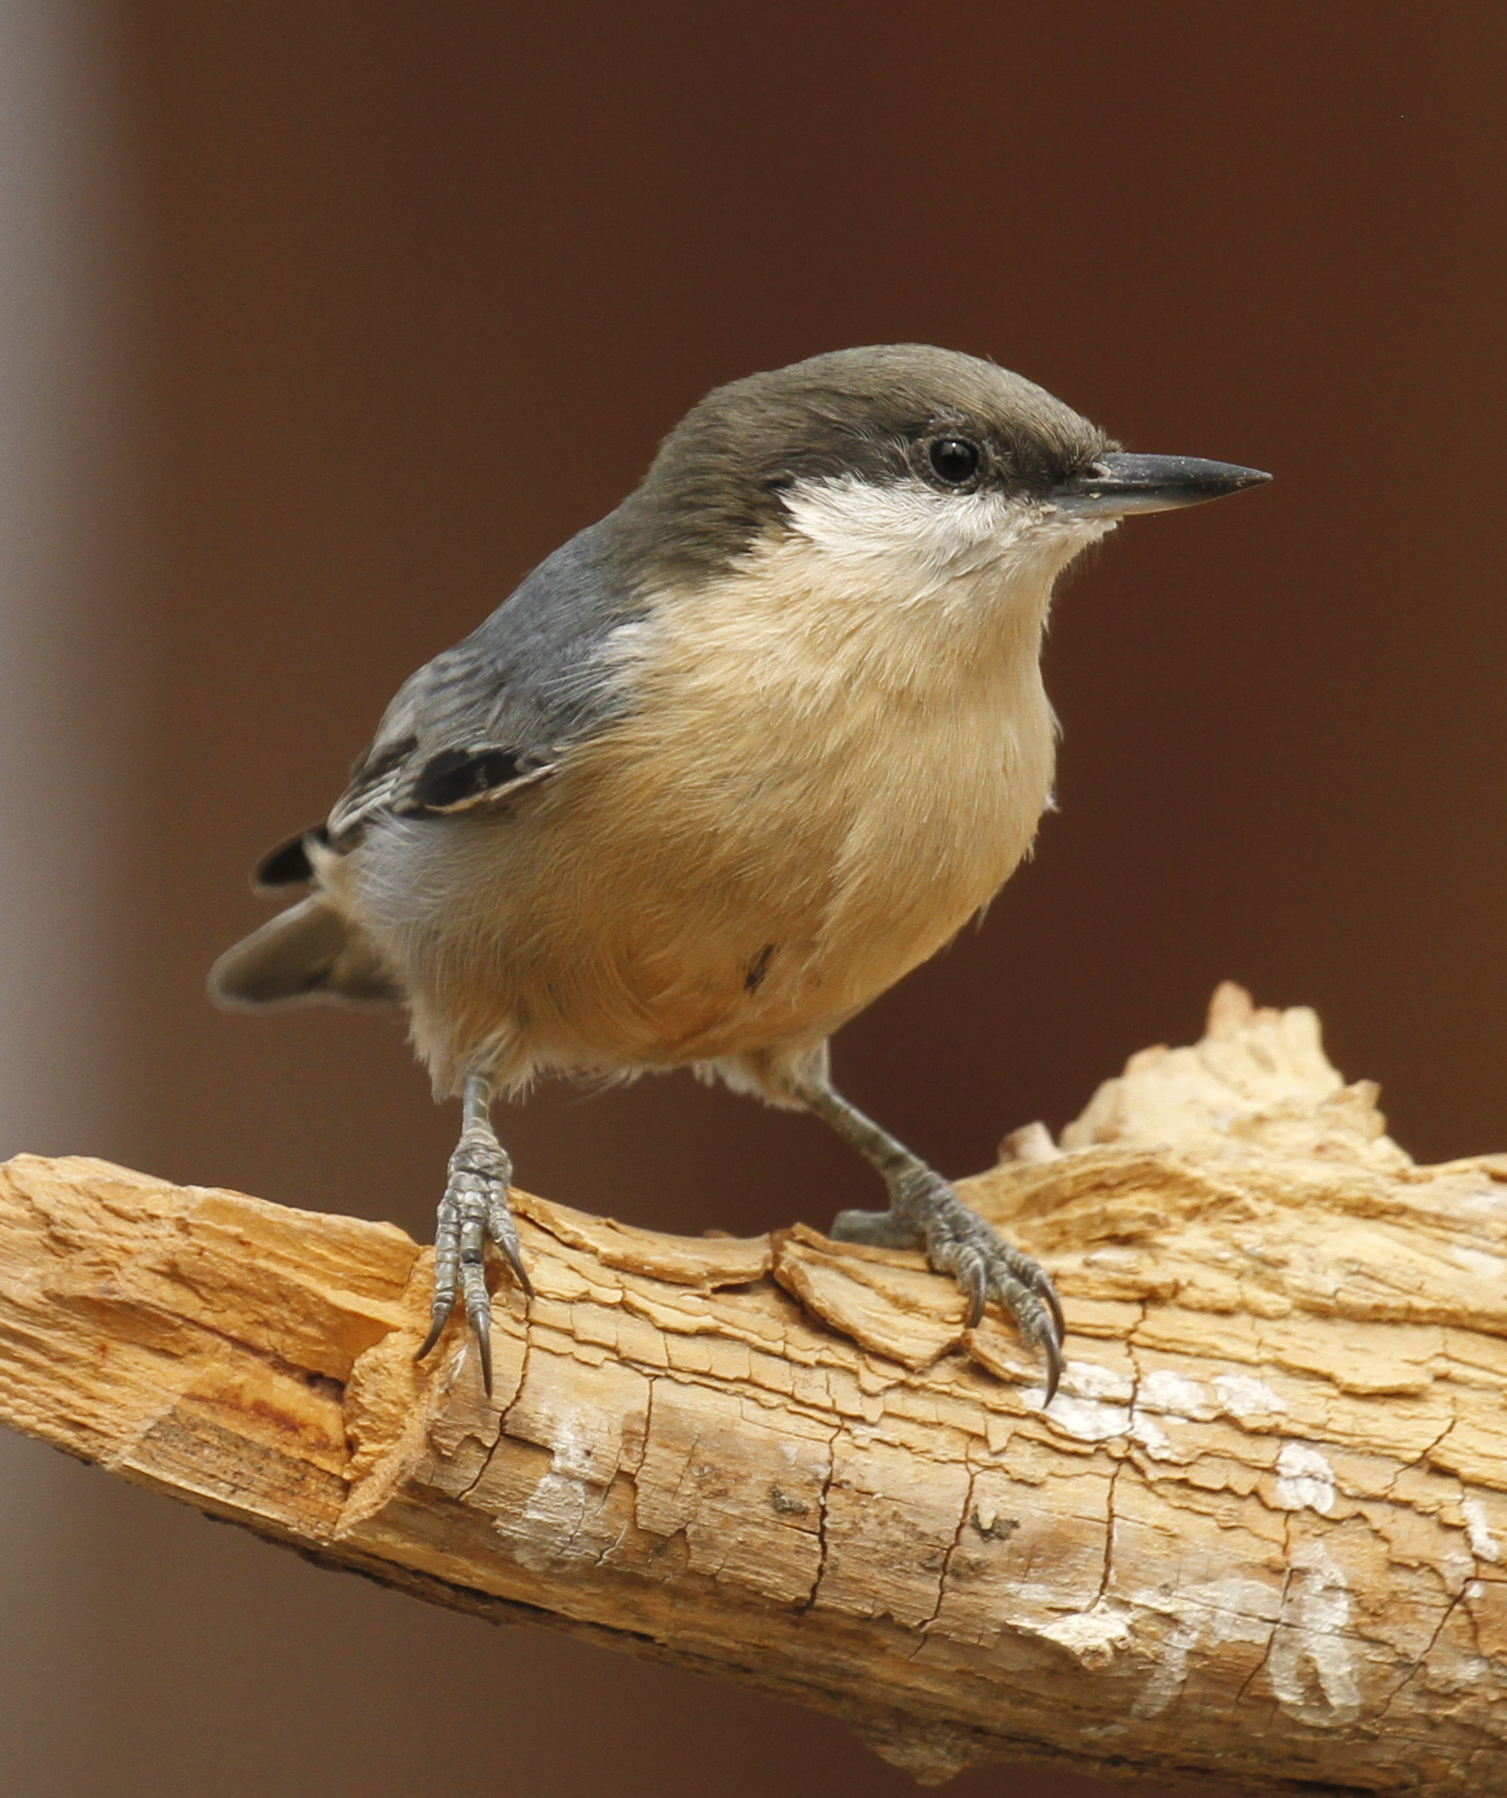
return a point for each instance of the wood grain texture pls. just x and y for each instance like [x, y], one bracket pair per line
[1260, 1537]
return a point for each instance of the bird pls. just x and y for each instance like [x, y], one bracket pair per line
[719, 772]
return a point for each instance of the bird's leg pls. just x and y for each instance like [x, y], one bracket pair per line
[925, 1212]
[474, 1208]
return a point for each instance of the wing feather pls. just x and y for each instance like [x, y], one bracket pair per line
[487, 721]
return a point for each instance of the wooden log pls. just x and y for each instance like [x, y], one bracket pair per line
[1259, 1538]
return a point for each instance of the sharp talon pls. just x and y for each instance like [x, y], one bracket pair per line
[520, 1272]
[1046, 1290]
[483, 1335]
[436, 1330]
[1054, 1371]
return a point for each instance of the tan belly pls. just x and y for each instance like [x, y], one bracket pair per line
[707, 895]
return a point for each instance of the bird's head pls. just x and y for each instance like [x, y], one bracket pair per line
[923, 463]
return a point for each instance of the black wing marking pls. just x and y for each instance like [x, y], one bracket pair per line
[409, 780]
[455, 780]
[456, 775]
[289, 865]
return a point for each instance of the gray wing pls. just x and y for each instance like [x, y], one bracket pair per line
[489, 718]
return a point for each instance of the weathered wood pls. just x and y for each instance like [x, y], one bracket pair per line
[1260, 1537]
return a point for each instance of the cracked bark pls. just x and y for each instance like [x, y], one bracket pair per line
[1260, 1537]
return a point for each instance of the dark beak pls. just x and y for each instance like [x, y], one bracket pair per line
[1120, 483]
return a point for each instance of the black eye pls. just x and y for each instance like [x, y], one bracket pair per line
[954, 460]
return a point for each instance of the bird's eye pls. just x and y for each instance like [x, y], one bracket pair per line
[954, 460]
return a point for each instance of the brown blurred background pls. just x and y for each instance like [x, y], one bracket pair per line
[321, 323]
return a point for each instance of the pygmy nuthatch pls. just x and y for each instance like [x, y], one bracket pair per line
[720, 771]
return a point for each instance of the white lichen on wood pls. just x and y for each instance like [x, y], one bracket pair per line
[1259, 1537]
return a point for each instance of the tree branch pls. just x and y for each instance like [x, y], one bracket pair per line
[1261, 1537]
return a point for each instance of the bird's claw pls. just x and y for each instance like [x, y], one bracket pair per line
[473, 1212]
[927, 1213]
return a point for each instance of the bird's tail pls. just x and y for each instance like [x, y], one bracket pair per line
[305, 954]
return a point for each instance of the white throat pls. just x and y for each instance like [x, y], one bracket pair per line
[910, 537]
[880, 593]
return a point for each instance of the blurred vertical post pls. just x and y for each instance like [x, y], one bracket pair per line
[67, 677]
[69, 691]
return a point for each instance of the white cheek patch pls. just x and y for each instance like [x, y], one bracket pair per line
[933, 535]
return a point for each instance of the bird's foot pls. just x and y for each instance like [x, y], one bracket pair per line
[926, 1213]
[474, 1210]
